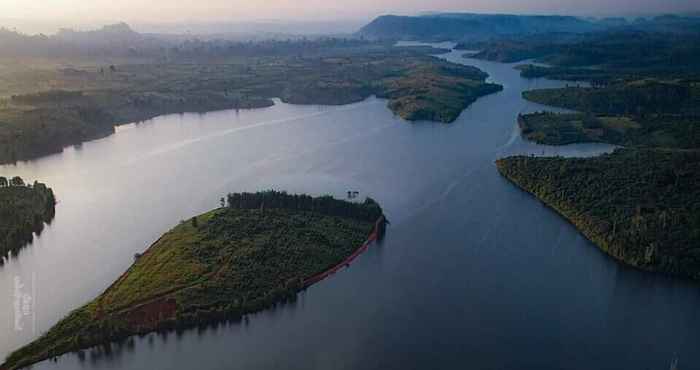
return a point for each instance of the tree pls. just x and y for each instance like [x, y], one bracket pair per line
[17, 181]
[3, 182]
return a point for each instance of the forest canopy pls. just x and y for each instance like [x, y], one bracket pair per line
[24, 209]
[641, 206]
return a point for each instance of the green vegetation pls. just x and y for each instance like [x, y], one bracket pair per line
[560, 129]
[638, 97]
[647, 113]
[630, 53]
[507, 50]
[435, 96]
[70, 105]
[641, 206]
[23, 211]
[653, 131]
[593, 75]
[252, 254]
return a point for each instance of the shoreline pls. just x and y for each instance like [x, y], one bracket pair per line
[158, 311]
[103, 134]
[596, 239]
[375, 235]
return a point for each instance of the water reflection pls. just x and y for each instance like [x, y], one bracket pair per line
[472, 269]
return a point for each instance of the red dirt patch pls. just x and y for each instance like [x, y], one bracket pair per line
[150, 314]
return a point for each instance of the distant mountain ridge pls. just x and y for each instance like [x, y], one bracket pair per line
[115, 39]
[113, 32]
[479, 27]
[459, 26]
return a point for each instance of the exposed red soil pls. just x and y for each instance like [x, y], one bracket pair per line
[157, 309]
[149, 315]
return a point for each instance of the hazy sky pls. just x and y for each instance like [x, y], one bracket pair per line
[242, 10]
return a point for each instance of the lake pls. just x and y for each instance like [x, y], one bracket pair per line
[473, 273]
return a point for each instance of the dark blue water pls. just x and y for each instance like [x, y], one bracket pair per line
[473, 272]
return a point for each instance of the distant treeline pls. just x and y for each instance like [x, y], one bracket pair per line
[23, 211]
[47, 97]
[120, 40]
[369, 210]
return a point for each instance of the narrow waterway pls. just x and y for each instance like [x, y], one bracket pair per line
[473, 272]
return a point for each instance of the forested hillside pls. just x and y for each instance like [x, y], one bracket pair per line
[469, 26]
[640, 206]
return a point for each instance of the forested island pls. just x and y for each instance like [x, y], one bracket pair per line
[24, 209]
[641, 206]
[258, 250]
[48, 107]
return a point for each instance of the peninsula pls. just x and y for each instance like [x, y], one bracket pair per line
[638, 205]
[258, 250]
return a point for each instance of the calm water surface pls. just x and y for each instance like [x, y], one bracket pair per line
[473, 273]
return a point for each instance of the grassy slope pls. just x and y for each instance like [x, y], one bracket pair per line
[23, 211]
[232, 262]
[640, 206]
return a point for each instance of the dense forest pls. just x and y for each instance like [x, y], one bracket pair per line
[648, 113]
[72, 105]
[641, 206]
[255, 252]
[568, 128]
[24, 209]
[639, 98]
[606, 55]
[669, 131]
[369, 210]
